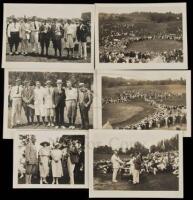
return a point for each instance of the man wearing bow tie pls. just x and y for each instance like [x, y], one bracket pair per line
[59, 97]
[16, 92]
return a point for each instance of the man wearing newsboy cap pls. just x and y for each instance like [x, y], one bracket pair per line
[59, 98]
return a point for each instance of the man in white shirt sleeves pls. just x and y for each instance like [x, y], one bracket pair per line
[34, 39]
[15, 96]
[39, 103]
[71, 103]
[116, 162]
[13, 33]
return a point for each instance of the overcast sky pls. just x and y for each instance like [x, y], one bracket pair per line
[128, 139]
[46, 10]
[150, 75]
[160, 8]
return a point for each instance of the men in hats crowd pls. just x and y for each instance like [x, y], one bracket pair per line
[35, 37]
[55, 162]
[47, 105]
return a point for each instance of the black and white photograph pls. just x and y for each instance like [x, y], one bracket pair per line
[48, 33]
[50, 160]
[145, 100]
[141, 36]
[135, 164]
[48, 100]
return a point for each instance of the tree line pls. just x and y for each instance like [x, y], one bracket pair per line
[75, 78]
[113, 82]
[138, 16]
[162, 146]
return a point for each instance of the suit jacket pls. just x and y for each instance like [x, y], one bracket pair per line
[59, 98]
[31, 154]
[28, 95]
[82, 33]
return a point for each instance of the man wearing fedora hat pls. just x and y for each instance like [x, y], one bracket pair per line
[71, 103]
[15, 95]
[82, 33]
[28, 101]
[116, 162]
[49, 103]
[59, 98]
[13, 33]
[34, 35]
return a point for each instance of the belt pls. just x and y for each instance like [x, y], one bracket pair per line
[16, 97]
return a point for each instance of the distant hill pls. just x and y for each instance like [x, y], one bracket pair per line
[142, 17]
[147, 21]
[119, 81]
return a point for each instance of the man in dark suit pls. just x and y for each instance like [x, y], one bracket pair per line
[59, 98]
[82, 33]
[85, 99]
[44, 37]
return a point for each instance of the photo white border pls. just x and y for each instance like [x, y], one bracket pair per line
[115, 66]
[60, 64]
[132, 194]
[49, 186]
[100, 74]
[8, 133]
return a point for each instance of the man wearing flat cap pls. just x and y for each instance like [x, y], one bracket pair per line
[85, 100]
[59, 98]
[15, 96]
[28, 101]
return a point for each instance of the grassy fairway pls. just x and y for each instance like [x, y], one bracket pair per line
[125, 113]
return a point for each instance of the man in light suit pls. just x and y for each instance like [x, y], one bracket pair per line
[34, 40]
[59, 98]
[85, 100]
[116, 162]
[15, 96]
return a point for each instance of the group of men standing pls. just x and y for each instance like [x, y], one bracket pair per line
[63, 34]
[49, 102]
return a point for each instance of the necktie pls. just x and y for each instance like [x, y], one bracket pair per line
[17, 90]
[48, 90]
[35, 25]
[15, 25]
